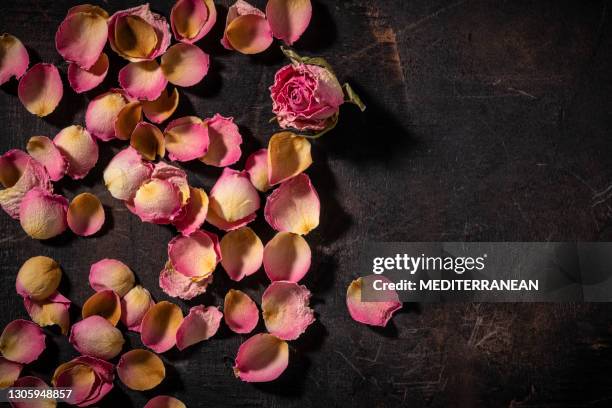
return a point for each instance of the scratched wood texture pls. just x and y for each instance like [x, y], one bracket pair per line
[486, 120]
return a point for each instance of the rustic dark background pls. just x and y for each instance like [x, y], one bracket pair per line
[486, 120]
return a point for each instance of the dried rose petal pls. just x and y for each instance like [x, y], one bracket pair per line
[43, 215]
[193, 213]
[191, 20]
[288, 18]
[186, 138]
[164, 401]
[148, 140]
[288, 156]
[83, 80]
[36, 383]
[286, 257]
[141, 370]
[14, 58]
[285, 309]
[261, 358]
[294, 206]
[9, 372]
[257, 167]
[134, 305]
[159, 326]
[40, 90]
[196, 255]
[79, 149]
[372, 313]
[240, 312]
[125, 173]
[174, 175]
[242, 253]
[81, 37]
[200, 324]
[111, 274]
[246, 29]
[225, 141]
[128, 117]
[22, 341]
[49, 312]
[143, 80]
[95, 336]
[85, 214]
[105, 303]
[185, 64]
[233, 200]
[38, 278]
[178, 285]
[46, 153]
[157, 201]
[89, 378]
[163, 107]
[102, 113]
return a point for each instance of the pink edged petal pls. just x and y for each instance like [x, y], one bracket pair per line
[159, 326]
[174, 175]
[102, 113]
[163, 107]
[257, 167]
[193, 213]
[83, 80]
[79, 149]
[125, 173]
[285, 309]
[164, 401]
[372, 313]
[141, 370]
[40, 90]
[286, 257]
[43, 215]
[49, 312]
[233, 200]
[14, 58]
[242, 253]
[46, 153]
[191, 20]
[288, 18]
[38, 278]
[87, 8]
[240, 312]
[186, 138]
[288, 156]
[246, 29]
[294, 206]
[89, 378]
[111, 274]
[156, 201]
[9, 372]
[85, 215]
[196, 255]
[22, 341]
[225, 141]
[81, 37]
[239, 8]
[36, 383]
[178, 285]
[96, 337]
[261, 358]
[200, 324]
[185, 64]
[105, 303]
[148, 140]
[134, 305]
[143, 80]
[127, 119]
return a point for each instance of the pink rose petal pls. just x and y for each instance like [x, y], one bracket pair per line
[89, 378]
[83, 80]
[288, 156]
[102, 113]
[285, 309]
[196, 255]
[148, 140]
[240, 312]
[178, 285]
[371, 313]
[286, 257]
[261, 358]
[127, 119]
[9, 372]
[186, 138]
[125, 173]
[134, 305]
[225, 141]
[81, 37]
[79, 149]
[288, 18]
[233, 200]
[157, 201]
[246, 29]
[191, 20]
[46, 153]
[36, 383]
[242, 253]
[38, 278]
[14, 58]
[193, 213]
[95, 336]
[49, 312]
[105, 303]
[257, 167]
[143, 80]
[164, 401]
[40, 90]
[159, 326]
[22, 341]
[200, 324]
[85, 215]
[43, 215]
[174, 175]
[185, 64]
[111, 274]
[141, 370]
[163, 107]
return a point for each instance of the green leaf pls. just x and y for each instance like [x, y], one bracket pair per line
[351, 97]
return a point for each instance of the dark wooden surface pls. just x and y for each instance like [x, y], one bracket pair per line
[486, 120]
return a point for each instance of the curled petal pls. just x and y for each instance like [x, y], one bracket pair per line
[240, 312]
[193, 213]
[286, 257]
[159, 326]
[251, 34]
[111, 274]
[178, 285]
[79, 149]
[85, 214]
[141, 370]
[96, 337]
[38, 278]
[288, 18]
[191, 20]
[196, 255]
[89, 378]
[9, 372]
[134, 305]
[288, 156]
[125, 173]
[83, 80]
[40, 90]
[148, 140]
[163, 107]
[43, 215]
[102, 113]
[49, 312]
[233, 200]
[105, 303]
[257, 167]
[186, 138]
[128, 117]
[143, 80]
[294, 206]
[261, 358]
[22, 341]
[164, 401]
[285, 309]
[242, 253]
[372, 313]
[225, 141]
[14, 58]
[46, 153]
[174, 175]
[157, 201]
[185, 64]
[81, 37]
[36, 383]
[200, 324]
